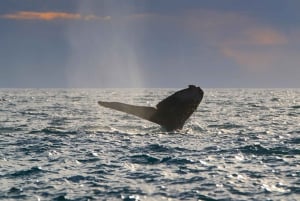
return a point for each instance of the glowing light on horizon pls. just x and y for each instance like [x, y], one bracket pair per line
[49, 16]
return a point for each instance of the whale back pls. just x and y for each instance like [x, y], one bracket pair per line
[173, 111]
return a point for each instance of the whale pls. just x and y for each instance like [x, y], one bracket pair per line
[171, 113]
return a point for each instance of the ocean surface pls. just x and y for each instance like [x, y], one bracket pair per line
[58, 144]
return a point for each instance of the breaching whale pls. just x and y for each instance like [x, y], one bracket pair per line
[171, 113]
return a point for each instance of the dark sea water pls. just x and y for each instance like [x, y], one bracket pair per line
[57, 144]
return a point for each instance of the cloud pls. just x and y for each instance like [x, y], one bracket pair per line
[255, 48]
[253, 45]
[254, 61]
[264, 36]
[256, 35]
[232, 27]
[49, 16]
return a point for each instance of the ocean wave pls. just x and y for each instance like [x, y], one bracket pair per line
[261, 150]
[60, 145]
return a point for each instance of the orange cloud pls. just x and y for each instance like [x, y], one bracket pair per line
[265, 36]
[256, 49]
[243, 39]
[48, 16]
[252, 60]
[254, 46]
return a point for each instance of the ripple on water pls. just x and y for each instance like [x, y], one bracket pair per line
[60, 145]
[27, 172]
[261, 150]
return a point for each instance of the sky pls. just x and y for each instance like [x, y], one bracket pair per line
[149, 43]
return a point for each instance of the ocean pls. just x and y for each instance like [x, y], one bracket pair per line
[59, 144]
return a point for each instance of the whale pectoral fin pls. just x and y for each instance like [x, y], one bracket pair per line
[140, 111]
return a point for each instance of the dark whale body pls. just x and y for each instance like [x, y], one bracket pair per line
[171, 113]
